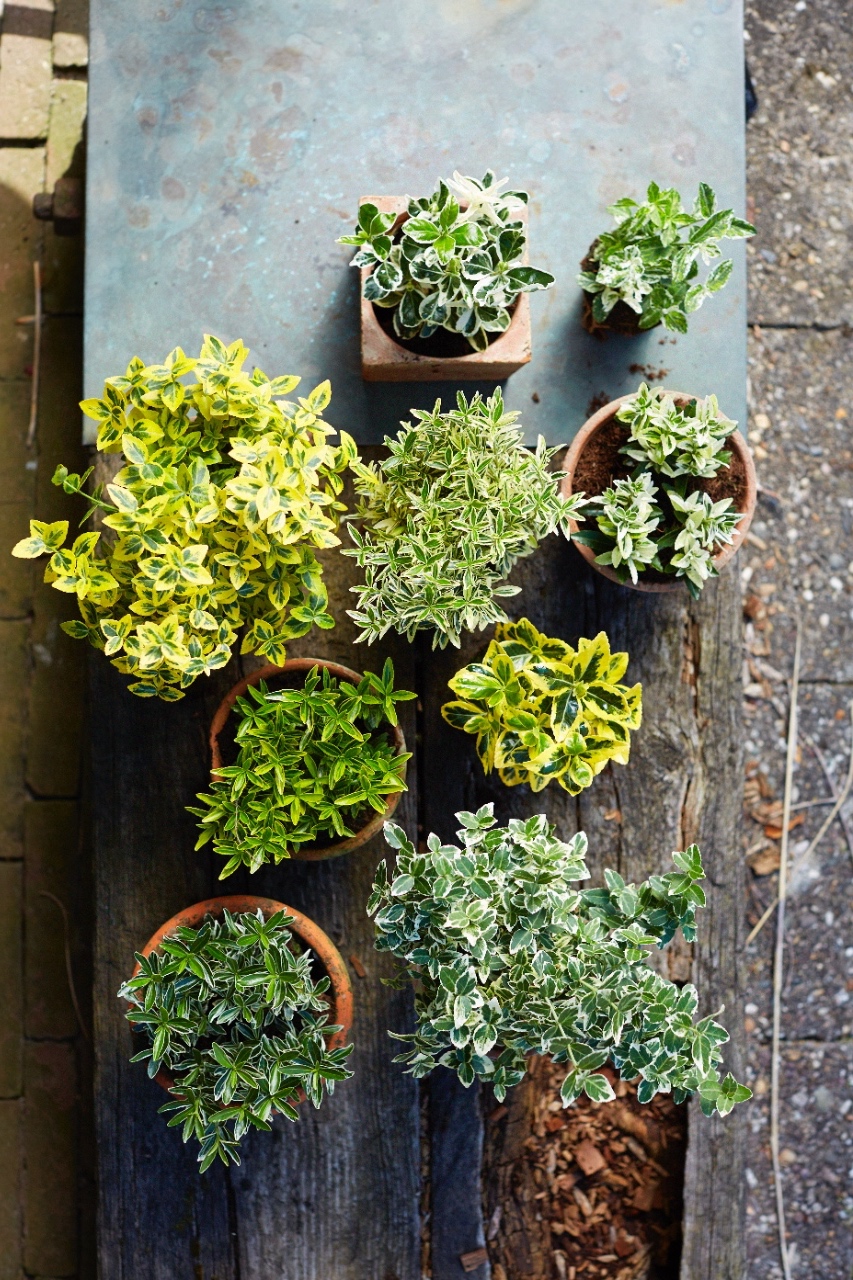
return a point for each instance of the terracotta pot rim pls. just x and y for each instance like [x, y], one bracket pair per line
[371, 828]
[723, 556]
[303, 926]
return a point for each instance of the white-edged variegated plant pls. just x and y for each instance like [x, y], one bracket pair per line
[456, 262]
[509, 957]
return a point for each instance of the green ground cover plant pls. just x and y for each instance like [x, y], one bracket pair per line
[457, 262]
[544, 712]
[210, 526]
[444, 518]
[313, 764]
[650, 260]
[232, 1013]
[508, 957]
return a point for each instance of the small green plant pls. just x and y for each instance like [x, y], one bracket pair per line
[226, 489]
[650, 260]
[457, 262]
[543, 711]
[312, 763]
[509, 958]
[446, 516]
[231, 1013]
[671, 526]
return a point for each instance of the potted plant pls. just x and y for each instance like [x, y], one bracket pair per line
[236, 1024]
[509, 958]
[444, 282]
[671, 489]
[443, 520]
[225, 490]
[319, 767]
[544, 712]
[644, 272]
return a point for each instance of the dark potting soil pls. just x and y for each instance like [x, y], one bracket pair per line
[443, 345]
[601, 463]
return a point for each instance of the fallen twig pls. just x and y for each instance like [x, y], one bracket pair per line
[837, 802]
[778, 958]
[34, 391]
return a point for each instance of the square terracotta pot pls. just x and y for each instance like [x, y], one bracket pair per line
[384, 360]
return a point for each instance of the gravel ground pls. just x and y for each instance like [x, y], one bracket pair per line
[799, 558]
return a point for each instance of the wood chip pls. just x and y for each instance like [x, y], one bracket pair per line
[765, 861]
[589, 1158]
[360, 970]
[613, 815]
[582, 1201]
[471, 1261]
[775, 833]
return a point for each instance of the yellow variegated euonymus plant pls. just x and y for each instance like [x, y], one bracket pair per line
[543, 711]
[226, 490]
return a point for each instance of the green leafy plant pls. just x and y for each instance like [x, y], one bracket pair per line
[312, 764]
[231, 1013]
[543, 711]
[456, 262]
[446, 516]
[672, 526]
[509, 958]
[225, 491]
[650, 260]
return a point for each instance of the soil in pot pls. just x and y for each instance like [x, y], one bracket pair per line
[622, 319]
[223, 743]
[443, 345]
[601, 463]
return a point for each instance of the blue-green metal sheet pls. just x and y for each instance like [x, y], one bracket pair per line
[229, 145]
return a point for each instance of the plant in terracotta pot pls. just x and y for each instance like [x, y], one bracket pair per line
[318, 767]
[644, 272]
[544, 712]
[509, 957]
[226, 490]
[442, 521]
[236, 1023]
[443, 280]
[671, 489]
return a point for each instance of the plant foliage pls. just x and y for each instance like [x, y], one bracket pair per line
[456, 263]
[510, 958]
[659, 518]
[225, 491]
[543, 711]
[312, 763]
[650, 260]
[446, 516]
[231, 1012]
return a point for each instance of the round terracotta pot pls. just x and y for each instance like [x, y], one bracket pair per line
[304, 928]
[735, 442]
[377, 821]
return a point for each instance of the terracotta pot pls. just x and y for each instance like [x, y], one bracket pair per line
[304, 928]
[735, 443]
[377, 821]
[384, 360]
[622, 319]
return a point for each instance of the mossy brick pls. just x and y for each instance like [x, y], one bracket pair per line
[71, 33]
[11, 1261]
[26, 70]
[17, 459]
[14, 675]
[62, 260]
[21, 176]
[11, 978]
[17, 577]
[50, 856]
[50, 1172]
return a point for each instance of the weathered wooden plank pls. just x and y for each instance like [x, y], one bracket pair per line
[683, 783]
[336, 1194]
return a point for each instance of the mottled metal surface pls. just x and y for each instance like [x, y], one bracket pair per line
[228, 146]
